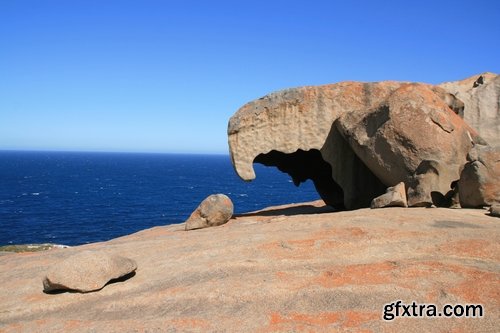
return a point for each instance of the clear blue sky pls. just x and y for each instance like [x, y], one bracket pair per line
[165, 76]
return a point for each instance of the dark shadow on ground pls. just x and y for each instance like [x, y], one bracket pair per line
[121, 279]
[289, 211]
[492, 215]
[61, 291]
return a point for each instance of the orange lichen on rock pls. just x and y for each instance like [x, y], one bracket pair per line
[373, 273]
[472, 248]
[190, 323]
[302, 322]
[333, 321]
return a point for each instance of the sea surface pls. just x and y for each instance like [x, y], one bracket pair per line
[77, 198]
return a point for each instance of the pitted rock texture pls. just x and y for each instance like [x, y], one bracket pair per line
[479, 183]
[372, 135]
[215, 210]
[285, 269]
[481, 97]
[87, 271]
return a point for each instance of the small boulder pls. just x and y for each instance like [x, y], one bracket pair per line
[215, 210]
[87, 271]
[479, 183]
[495, 210]
[395, 196]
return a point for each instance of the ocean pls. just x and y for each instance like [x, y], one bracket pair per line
[75, 198]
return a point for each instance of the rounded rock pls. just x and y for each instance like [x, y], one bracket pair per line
[215, 210]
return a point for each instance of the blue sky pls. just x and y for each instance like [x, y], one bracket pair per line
[165, 76]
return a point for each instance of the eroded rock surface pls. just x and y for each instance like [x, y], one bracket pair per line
[481, 97]
[215, 210]
[87, 271]
[370, 135]
[284, 269]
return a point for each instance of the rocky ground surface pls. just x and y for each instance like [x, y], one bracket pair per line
[286, 269]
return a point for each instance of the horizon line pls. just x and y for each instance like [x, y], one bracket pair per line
[111, 151]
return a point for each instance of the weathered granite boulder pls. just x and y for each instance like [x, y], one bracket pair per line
[399, 138]
[87, 271]
[353, 139]
[395, 196]
[215, 210]
[481, 97]
[479, 183]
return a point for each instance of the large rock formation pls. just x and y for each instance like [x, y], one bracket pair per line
[353, 139]
[481, 97]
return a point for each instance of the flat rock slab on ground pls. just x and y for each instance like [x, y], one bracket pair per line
[87, 271]
[275, 272]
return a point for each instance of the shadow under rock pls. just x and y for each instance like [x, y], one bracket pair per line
[290, 211]
[72, 291]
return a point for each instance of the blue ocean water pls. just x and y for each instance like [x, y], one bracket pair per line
[77, 198]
